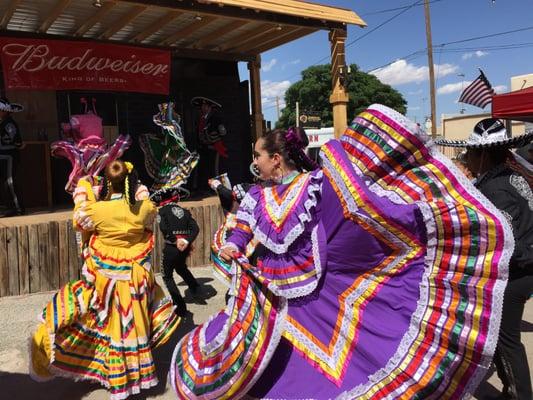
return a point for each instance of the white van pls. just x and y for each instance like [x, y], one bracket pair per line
[318, 137]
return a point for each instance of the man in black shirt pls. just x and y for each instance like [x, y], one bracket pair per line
[10, 144]
[179, 230]
[486, 157]
[211, 131]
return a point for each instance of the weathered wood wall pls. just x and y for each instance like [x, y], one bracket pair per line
[44, 256]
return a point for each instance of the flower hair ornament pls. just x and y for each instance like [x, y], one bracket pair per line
[129, 166]
[296, 147]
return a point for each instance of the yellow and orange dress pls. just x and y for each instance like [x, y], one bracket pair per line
[104, 326]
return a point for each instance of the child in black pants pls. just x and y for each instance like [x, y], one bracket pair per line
[179, 231]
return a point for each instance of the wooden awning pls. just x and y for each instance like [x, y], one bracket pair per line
[239, 29]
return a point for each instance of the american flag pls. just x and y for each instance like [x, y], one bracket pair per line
[479, 93]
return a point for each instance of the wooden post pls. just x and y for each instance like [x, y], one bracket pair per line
[339, 96]
[13, 259]
[255, 87]
[4, 264]
[24, 260]
[431, 71]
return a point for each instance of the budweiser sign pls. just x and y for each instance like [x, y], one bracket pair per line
[60, 65]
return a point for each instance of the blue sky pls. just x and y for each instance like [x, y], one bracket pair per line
[452, 20]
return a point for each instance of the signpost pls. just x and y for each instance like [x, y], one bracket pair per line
[310, 119]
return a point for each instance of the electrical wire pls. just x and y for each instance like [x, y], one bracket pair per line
[393, 9]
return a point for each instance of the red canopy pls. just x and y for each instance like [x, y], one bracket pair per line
[517, 105]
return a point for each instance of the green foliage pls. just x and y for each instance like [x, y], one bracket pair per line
[314, 89]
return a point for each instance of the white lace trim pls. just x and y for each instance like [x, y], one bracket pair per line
[523, 189]
[246, 214]
[292, 293]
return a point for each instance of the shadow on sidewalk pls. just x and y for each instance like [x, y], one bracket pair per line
[21, 386]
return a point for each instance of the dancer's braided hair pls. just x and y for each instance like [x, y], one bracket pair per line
[118, 178]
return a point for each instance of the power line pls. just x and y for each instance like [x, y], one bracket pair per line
[393, 9]
[487, 36]
[417, 53]
[416, 3]
[422, 51]
[403, 10]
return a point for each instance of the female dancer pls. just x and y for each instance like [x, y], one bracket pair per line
[104, 326]
[381, 276]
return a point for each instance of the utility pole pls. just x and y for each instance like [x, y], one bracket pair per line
[431, 71]
[297, 114]
[277, 105]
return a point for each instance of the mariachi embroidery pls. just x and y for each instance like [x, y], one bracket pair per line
[178, 212]
[523, 188]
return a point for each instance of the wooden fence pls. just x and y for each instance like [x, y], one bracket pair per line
[44, 256]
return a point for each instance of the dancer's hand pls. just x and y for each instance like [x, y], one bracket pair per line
[83, 220]
[182, 244]
[214, 183]
[227, 253]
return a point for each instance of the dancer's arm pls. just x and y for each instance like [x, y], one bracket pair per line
[508, 202]
[242, 234]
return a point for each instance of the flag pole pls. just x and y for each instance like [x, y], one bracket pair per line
[431, 71]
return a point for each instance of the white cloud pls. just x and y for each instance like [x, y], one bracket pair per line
[453, 87]
[401, 72]
[500, 88]
[268, 66]
[415, 93]
[477, 54]
[270, 90]
[413, 108]
[293, 62]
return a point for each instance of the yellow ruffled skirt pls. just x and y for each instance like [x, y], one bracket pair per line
[103, 327]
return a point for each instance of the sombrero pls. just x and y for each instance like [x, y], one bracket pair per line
[198, 100]
[5, 105]
[487, 133]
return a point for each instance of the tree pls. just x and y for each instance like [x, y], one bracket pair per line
[314, 89]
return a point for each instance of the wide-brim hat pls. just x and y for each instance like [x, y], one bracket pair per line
[526, 152]
[6, 105]
[199, 100]
[166, 193]
[489, 133]
[228, 196]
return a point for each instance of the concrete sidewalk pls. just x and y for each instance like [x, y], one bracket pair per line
[18, 319]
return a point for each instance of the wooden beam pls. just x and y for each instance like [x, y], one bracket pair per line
[134, 12]
[156, 26]
[278, 41]
[220, 32]
[53, 15]
[267, 37]
[241, 13]
[339, 97]
[97, 17]
[255, 95]
[9, 13]
[189, 29]
[248, 35]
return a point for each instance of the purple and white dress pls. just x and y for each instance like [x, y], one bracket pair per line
[382, 277]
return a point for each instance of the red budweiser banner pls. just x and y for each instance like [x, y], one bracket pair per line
[59, 65]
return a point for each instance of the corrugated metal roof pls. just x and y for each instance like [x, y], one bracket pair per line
[246, 27]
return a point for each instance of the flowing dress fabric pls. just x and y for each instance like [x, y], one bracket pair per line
[104, 326]
[384, 274]
[88, 156]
